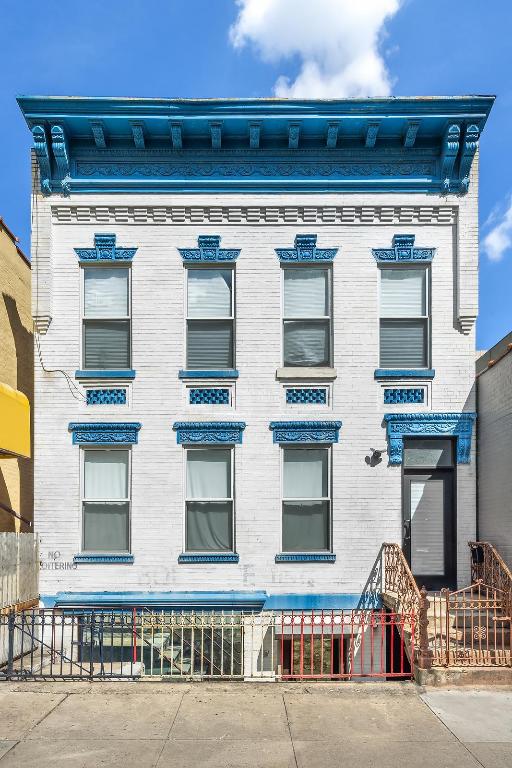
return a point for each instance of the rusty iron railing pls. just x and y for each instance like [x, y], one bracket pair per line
[400, 586]
[468, 627]
[488, 566]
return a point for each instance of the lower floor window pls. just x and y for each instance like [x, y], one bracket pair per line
[106, 500]
[306, 500]
[209, 500]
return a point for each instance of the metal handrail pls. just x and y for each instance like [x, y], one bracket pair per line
[488, 566]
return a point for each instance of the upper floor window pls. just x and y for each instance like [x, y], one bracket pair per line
[210, 318]
[209, 500]
[404, 317]
[106, 500]
[106, 318]
[307, 316]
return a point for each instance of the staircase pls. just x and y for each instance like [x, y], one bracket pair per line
[455, 632]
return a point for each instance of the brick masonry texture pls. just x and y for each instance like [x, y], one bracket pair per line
[366, 499]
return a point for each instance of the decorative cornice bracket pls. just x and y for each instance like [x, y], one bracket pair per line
[449, 154]
[469, 148]
[61, 155]
[43, 158]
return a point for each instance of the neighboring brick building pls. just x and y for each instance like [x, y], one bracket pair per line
[494, 392]
[16, 385]
[252, 300]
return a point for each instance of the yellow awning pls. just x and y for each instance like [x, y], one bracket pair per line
[14, 422]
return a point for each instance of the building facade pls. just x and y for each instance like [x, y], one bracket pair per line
[256, 320]
[494, 393]
[16, 385]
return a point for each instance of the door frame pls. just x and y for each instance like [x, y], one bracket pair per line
[449, 579]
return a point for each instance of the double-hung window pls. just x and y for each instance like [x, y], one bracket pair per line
[404, 317]
[306, 500]
[210, 318]
[307, 316]
[106, 500]
[106, 324]
[209, 500]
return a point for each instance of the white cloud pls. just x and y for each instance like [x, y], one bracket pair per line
[499, 239]
[336, 41]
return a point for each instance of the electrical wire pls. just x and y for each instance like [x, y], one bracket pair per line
[34, 216]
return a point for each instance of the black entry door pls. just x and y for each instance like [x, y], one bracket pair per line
[429, 523]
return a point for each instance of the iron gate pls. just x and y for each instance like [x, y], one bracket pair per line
[280, 645]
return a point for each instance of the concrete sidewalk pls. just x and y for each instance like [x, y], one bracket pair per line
[252, 726]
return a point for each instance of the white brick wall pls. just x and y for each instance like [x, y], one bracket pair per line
[366, 500]
[494, 456]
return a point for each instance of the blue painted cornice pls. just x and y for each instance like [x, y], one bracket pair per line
[105, 250]
[207, 432]
[246, 145]
[305, 431]
[403, 250]
[208, 251]
[104, 433]
[305, 250]
[400, 425]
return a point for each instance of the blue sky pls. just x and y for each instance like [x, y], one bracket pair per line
[184, 48]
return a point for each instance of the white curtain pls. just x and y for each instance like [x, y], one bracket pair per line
[402, 292]
[209, 292]
[305, 526]
[306, 292]
[209, 526]
[208, 474]
[106, 527]
[106, 292]
[305, 473]
[106, 475]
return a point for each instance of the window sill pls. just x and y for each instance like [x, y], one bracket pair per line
[227, 373]
[406, 373]
[103, 374]
[92, 557]
[305, 557]
[227, 557]
[306, 374]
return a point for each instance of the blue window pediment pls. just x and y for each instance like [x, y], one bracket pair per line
[305, 431]
[400, 425]
[305, 250]
[105, 250]
[403, 251]
[121, 433]
[208, 250]
[201, 432]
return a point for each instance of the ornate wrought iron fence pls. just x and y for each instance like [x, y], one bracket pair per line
[296, 645]
[469, 627]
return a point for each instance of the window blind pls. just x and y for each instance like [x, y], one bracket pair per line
[306, 292]
[403, 293]
[105, 292]
[403, 343]
[305, 526]
[106, 475]
[210, 344]
[107, 344]
[209, 292]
